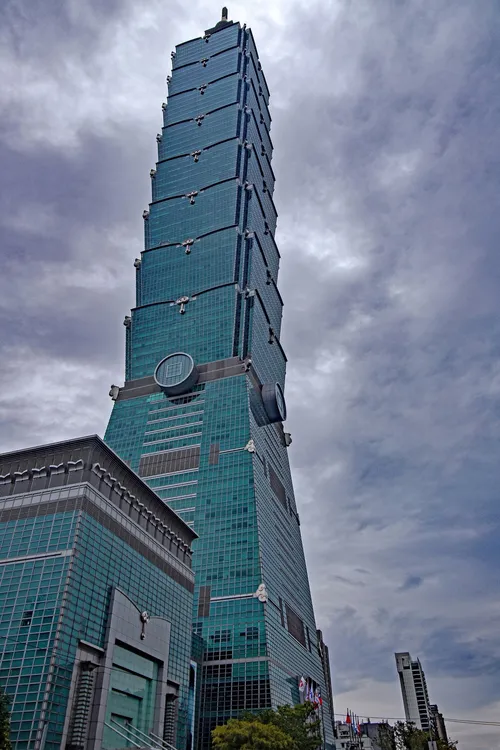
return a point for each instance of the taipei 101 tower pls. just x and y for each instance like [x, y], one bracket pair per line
[200, 415]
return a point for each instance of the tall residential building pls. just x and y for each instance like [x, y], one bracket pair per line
[200, 416]
[96, 593]
[414, 691]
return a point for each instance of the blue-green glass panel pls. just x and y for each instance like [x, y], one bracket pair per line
[194, 75]
[185, 173]
[177, 219]
[197, 102]
[185, 137]
[205, 331]
[170, 272]
[196, 49]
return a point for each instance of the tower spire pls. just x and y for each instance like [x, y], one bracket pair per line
[224, 14]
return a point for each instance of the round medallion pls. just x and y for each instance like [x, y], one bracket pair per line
[274, 402]
[176, 374]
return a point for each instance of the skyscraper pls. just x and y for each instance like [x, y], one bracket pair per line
[200, 416]
[414, 691]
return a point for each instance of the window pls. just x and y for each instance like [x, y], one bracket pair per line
[295, 625]
[26, 618]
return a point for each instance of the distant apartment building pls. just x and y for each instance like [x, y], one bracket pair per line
[418, 708]
[367, 735]
[414, 691]
[438, 722]
[348, 739]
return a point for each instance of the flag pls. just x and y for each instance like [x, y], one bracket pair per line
[348, 718]
[317, 697]
[311, 693]
[302, 685]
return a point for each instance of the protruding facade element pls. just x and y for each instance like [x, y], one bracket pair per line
[145, 618]
[176, 374]
[200, 416]
[114, 391]
[182, 302]
[261, 594]
[224, 14]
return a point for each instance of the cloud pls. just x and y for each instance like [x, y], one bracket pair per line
[412, 582]
[385, 122]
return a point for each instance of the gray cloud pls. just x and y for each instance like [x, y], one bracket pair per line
[385, 121]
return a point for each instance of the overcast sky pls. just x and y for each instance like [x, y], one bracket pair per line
[386, 127]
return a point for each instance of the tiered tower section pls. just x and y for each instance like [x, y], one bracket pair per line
[200, 416]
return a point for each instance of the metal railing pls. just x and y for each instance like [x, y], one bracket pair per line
[134, 735]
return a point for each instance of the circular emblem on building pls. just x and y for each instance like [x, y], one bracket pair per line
[274, 402]
[176, 374]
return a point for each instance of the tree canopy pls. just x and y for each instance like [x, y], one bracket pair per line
[296, 726]
[300, 722]
[408, 737]
[239, 734]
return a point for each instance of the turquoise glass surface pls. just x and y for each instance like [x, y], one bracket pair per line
[209, 236]
[48, 604]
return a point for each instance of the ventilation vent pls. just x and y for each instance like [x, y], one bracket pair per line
[277, 487]
[169, 462]
[26, 618]
[204, 601]
[295, 626]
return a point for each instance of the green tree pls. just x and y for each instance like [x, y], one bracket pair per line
[300, 722]
[5, 742]
[408, 737]
[239, 734]
[385, 738]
